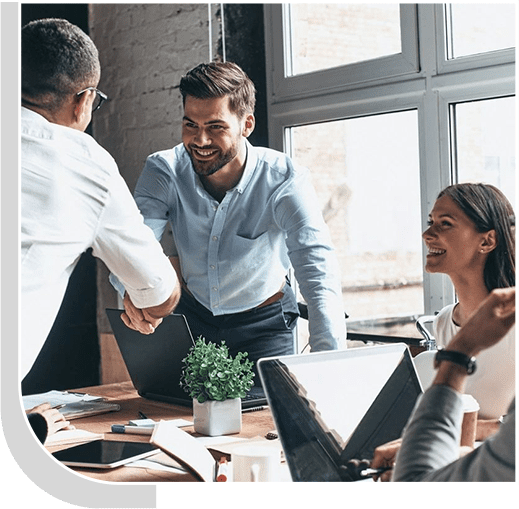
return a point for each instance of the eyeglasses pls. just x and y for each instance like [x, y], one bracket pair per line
[99, 99]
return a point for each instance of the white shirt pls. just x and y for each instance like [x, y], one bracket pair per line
[493, 382]
[73, 198]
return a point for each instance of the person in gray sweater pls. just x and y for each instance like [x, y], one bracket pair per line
[430, 446]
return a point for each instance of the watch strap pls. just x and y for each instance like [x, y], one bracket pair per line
[469, 363]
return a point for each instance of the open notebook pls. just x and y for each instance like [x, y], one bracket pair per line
[333, 407]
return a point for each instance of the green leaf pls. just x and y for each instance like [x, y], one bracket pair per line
[210, 373]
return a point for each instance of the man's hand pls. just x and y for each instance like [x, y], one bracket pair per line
[138, 319]
[55, 420]
[384, 456]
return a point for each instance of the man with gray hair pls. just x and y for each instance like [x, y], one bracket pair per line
[72, 195]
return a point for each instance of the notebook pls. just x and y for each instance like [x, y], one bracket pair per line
[330, 408]
[155, 361]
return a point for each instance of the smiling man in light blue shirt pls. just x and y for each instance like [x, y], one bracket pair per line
[241, 216]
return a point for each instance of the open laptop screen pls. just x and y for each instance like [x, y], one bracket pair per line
[331, 407]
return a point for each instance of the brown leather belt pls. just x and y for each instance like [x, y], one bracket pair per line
[274, 298]
[277, 296]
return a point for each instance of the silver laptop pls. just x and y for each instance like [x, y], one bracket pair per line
[332, 409]
[155, 361]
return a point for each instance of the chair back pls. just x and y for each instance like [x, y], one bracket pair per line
[424, 364]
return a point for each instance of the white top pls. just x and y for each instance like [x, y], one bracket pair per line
[73, 198]
[493, 382]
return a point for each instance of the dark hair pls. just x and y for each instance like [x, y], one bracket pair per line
[58, 59]
[489, 209]
[218, 79]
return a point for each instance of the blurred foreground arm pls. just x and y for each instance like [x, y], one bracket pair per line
[430, 444]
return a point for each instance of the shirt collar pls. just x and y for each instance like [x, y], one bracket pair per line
[250, 166]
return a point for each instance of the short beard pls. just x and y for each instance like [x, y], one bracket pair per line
[204, 170]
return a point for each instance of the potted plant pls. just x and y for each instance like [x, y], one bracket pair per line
[216, 382]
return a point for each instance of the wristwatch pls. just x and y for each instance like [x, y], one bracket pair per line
[469, 363]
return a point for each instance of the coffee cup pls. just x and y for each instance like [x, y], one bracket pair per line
[470, 419]
[256, 463]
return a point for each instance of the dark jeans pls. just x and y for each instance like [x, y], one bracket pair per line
[262, 332]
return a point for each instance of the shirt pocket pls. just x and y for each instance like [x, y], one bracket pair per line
[251, 252]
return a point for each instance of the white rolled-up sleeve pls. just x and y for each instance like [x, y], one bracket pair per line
[130, 250]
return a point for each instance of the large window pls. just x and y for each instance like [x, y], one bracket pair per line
[479, 28]
[484, 143]
[387, 104]
[354, 32]
[379, 247]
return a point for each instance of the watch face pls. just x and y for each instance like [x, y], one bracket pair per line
[471, 367]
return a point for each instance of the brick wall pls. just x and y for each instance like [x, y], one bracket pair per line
[144, 50]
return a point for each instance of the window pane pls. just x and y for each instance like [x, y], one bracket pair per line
[366, 174]
[485, 142]
[330, 35]
[479, 28]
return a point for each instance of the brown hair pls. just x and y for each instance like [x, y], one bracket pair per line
[489, 209]
[219, 79]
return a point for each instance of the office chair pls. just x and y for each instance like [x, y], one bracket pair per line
[428, 343]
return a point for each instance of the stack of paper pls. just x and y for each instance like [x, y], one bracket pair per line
[55, 398]
[75, 405]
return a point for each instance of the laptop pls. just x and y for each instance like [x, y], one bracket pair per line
[155, 361]
[332, 409]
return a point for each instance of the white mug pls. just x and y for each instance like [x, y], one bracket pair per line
[256, 463]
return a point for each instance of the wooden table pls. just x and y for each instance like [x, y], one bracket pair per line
[254, 424]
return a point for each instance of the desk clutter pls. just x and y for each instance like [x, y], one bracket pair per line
[172, 449]
[240, 459]
[71, 405]
[313, 429]
[72, 436]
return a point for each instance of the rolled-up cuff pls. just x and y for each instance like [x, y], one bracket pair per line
[155, 294]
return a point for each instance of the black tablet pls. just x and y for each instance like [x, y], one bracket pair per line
[104, 453]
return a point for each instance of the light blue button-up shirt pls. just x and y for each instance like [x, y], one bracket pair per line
[234, 254]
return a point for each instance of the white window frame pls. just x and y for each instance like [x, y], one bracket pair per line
[419, 78]
[285, 85]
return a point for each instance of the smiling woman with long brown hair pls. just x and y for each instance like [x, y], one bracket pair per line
[470, 238]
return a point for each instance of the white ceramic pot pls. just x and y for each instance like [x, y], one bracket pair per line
[214, 418]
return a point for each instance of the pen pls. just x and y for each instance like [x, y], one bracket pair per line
[221, 475]
[134, 430]
[374, 471]
[253, 409]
